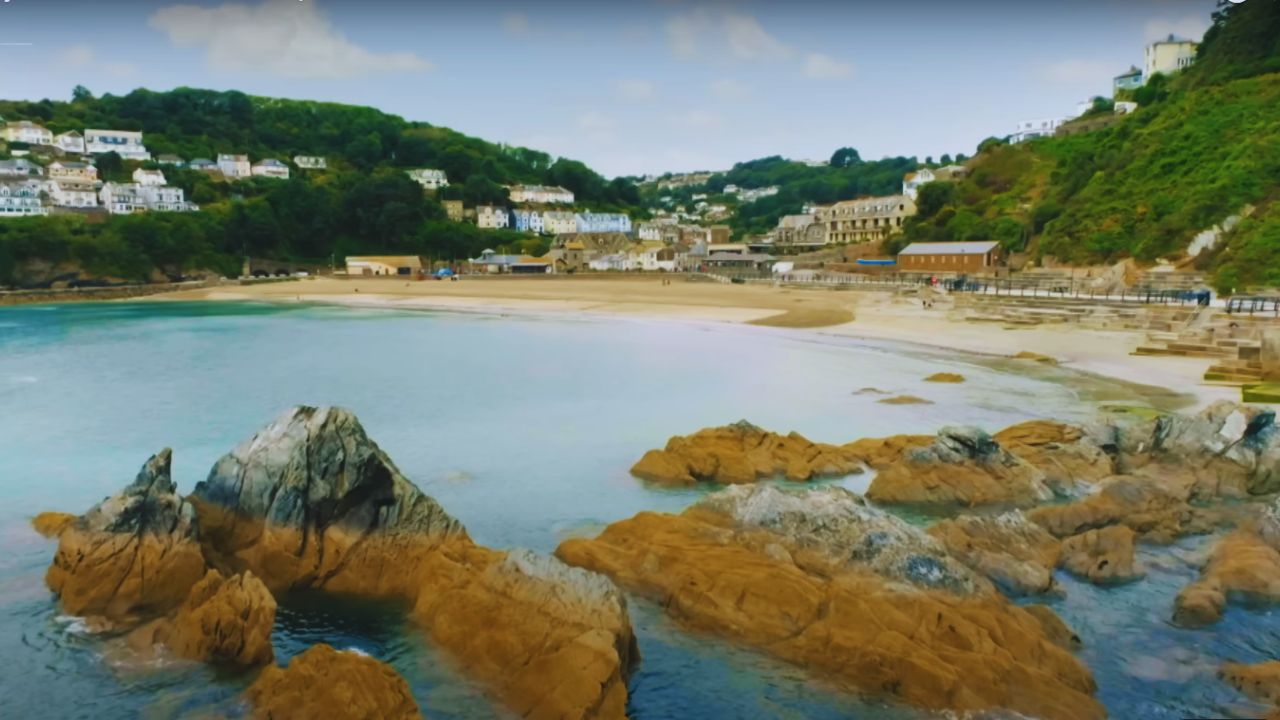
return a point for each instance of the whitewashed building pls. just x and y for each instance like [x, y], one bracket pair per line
[490, 217]
[651, 256]
[559, 222]
[25, 131]
[72, 142]
[604, 222]
[21, 198]
[649, 231]
[71, 193]
[128, 198]
[20, 167]
[168, 159]
[1168, 56]
[74, 171]
[310, 162]
[271, 168]
[541, 194]
[125, 143]
[616, 262]
[148, 177]
[1031, 129]
[234, 166]
[429, 178]
[912, 182]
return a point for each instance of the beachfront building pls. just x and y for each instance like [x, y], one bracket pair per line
[539, 194]
[1032, 129]
[72, 193]
[19, 167]
[949, 257]
[799, 230]
[738, 261]
[492, 218]
[69, 142]
[649, 231]
[384, 265]
[310, 162]
[125, 143]
[270, 168]
[21, 198]
[865, 220]
[589, 222]
[559, 222]
[235, 167]
[1168, 56]
[148, 177]
[429, 178]
[651, 255]
[617, 262]
[1131, 79]
[528, 265]
[493, 263]
[527, 220]
[25, 131]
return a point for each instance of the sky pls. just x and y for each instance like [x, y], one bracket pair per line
[630, 87]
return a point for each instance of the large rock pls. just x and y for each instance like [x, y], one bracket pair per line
[133, 555]
[327, 683]
[1064, 453]
[1260, 682]
[223, 620]
[52, 524]
[1103, 557]
[1155, 507]
[1017, 555]
[743, 453]
[1244, 565]
[963, 466]
[822, 580]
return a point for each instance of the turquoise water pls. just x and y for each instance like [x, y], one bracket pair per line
[523, 427]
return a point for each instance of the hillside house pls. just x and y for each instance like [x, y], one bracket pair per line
[559, 222]
[25, 131]
[72, 193]
[149, 177]
[19, 167]
[69, 142]
[235, 167]
[527, 220]
[1131, 79]
[1168, 56]
[21, 198]
[125, 143]
[310, 162]
[429, 178]
[270, 168]
[539, 194]
[490, 217]
[453, 209]
[604, 222]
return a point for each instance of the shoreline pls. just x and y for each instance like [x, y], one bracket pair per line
[861, 314]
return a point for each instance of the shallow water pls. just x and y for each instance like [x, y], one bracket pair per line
[523, 428]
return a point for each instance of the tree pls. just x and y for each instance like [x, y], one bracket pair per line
[413, 150]
[933, 197]
[81, 93]
[110, 166]
[845, 157]
[945, 159]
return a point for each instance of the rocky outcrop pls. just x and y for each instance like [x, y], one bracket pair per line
[52, 524]
[963, 466]
[1244, 565]
[905, 400]
[223, 620]
[945, 377]
[1260, 682]
[743, 453]
[1152, 507]
[135, 554]
[1064, 453]
[1035, 357]
[1018, 556]
[1103, 557]
[820, 579]
[327, 683]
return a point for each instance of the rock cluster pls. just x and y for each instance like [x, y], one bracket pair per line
[820, 579]
[223, 620]
[1017, 555]
[327, 683]
[962, 466]
[1260, 682]
[1244, 565]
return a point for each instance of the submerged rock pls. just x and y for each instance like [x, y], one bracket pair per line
[134, 554]
[905, 400]
[820, 579]
[743, 453]
[1260, 682]
[1035, 357]
[1244, 565]
[332, 684]
[1103, 557]
[1017, 555]
[945, 377]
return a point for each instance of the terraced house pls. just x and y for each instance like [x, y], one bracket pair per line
[604, 222]
[21, 198]
[865, 220]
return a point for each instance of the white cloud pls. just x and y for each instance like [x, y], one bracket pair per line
[1077, 71]
[748, 40]
[817, 65]
[726, 89]
[1191, 27]
[279, 37]
[697, 120]
[515, 23]
[594, 121]
[635, 90]
[723, 32]
[81, 56]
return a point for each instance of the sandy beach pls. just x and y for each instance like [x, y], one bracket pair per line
[853, 313]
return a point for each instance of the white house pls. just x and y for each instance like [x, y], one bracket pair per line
[527, 220]
[651, 256]
[128, 198]
[604, 222]
[165, 198]
[234, 166]
[203, 165]
[1124, 107]
[72, 142]
[1168, 56]
[271, 168]
[559, 222]
[649, 231]
[492, 218]
[21, 198]
[754, 194]
[173, 160]
[912, 182]
[539, 194]
[28, 132]
[604, 263]
[148, 177]
[1031, 129]
[71, 193]
[74, 171]
[19, 167]
[310, 162]
[429, 178]
[125, 143]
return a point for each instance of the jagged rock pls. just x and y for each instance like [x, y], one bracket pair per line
[1102, 557]
[822, 580]
[1244, 565]
[1260, 682]
[1057, 631]
[223, 620]
[880, 453]
[52, 524]
[327, 683]
[743, 453]
[1064, 453]
[133, 554]
[963, 465]
[1153, 507]
[945, 377]
[1018, 556]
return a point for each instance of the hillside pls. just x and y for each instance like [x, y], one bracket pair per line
[363, 203]
[1202, 147]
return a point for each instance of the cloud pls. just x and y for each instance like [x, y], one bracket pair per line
[726, 89]
[697, 120]
[515, 23]
[594, 121]
[80, 56]
[817, 65]
[635, 90]
[723, 32]
[279, 37]
[76, 55]
[1191, 27]
[1076, 71]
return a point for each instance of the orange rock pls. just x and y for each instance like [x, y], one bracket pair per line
[838, 588]
[945, 377]
[1100, 556]
[1036, 357]
[1058, 631]
[905, 400]
[1244, 565]
[1061, 452]
[1154, 508]
[1018, 556]
[962, 466]
[1260, 682]
[52, 524]
[743, 453]
[882, 452]
[224, 620]
[326, 683]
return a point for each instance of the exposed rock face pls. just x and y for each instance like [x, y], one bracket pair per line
[743, 453]
[820, 579]
[1244, 565]
[1260, 682]
[1064, 453]
[326, 683]
[963, 466]
[880, 453]
[52, 524]
[133, 554]
[1103, 557]
[1016, 555]
[945, 377]
[1147, 505]
[223, 620]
